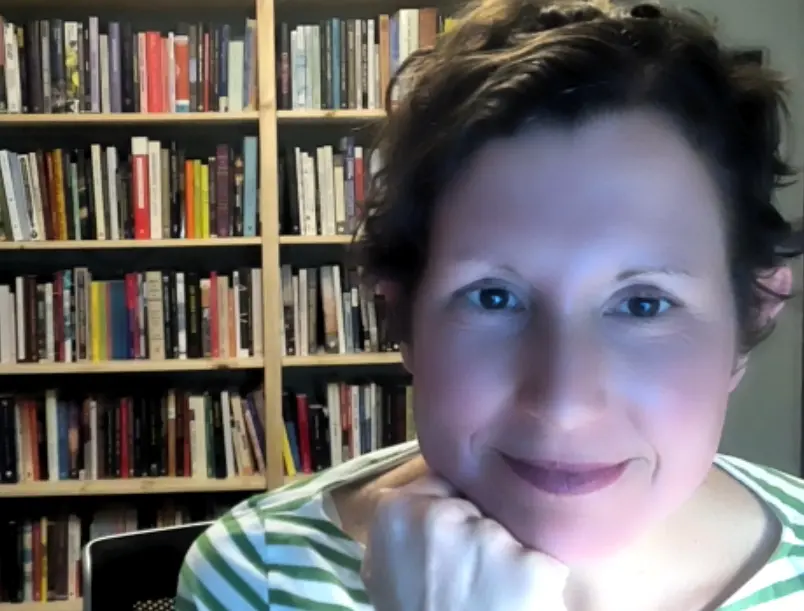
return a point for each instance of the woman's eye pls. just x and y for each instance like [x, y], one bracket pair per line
[644, 307]
[494, 299]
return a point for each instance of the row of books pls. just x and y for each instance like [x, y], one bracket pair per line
[63, 66]
[179, 434]
[155, 315]
[323, 192]
[324, 310]
[40, 556]
[348, 63]
[157, 191]
[349, 420]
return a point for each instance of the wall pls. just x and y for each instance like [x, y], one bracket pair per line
[764, 422]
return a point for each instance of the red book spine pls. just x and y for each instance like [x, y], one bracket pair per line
[302, 410]
[33, 439]
[153, 58]
[181, 53]
[58, 315]
[207, 72]
[346, 420]
[185, 406]
[131, 312]
[164, 73]
[124, 458]
[140, 187]
[36, 549]
[360, 185]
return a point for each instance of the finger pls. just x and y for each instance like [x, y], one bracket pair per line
[429, 485]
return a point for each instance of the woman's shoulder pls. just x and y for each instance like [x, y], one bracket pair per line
[224, 568]
[779, 585]
[283, 545]
[782, 491]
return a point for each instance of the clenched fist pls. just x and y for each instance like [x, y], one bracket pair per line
[430, 551]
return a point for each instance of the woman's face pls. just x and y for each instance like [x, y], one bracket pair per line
[573, 340]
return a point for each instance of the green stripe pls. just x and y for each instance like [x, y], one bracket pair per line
[300, 603]
[334, 556]
[324, 526]
[254, 501]
[312, 573]
[793, 481]
[288, 506]
[774, 592]
[242, 542]
[228, 574]
[193, 586]
[771, 490]
[184, 604]
[304, 479]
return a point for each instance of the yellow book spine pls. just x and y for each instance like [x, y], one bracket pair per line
[205, 199]
[287, 456]
[95, 328]
[43, 555]
[199, 227]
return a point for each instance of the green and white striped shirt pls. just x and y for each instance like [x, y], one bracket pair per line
[284, 550]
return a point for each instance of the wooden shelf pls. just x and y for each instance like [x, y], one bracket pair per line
[130, 244]
[343, 360]
[133, 366]
[311, 240]
[328, 116]
[138, 5]
[60, 605]
[137, 485]
[101, 119]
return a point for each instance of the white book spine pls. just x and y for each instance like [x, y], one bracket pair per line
[256, 312]
[96, 156]
[106, 97]
[94, 64]
[155, 195]
[67, 295]
[336, 282]
[20, 316]
[52, 428]
[226, 416]
[372, 64]
[50, 335]
[181, 301]
[11, 200]
[13, 89]
[36, 194]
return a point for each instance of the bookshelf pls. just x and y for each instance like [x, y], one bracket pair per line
[269, 248]
[132, 119]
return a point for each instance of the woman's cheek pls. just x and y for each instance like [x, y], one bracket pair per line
[677, 370]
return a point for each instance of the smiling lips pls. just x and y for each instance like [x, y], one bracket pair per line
[566, 479]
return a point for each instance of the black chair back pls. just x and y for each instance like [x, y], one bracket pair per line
[136, 571]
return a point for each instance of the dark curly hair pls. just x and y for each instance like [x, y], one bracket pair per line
[506, 63]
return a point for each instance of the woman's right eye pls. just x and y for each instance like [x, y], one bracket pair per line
[494, 299]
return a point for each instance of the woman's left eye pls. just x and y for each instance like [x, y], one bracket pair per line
[643, 307]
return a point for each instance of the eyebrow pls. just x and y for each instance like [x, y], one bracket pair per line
[646, 271]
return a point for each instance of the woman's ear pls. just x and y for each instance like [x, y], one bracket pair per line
[779, 282]
[407, 357]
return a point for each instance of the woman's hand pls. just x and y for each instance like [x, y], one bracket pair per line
[430, 551]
